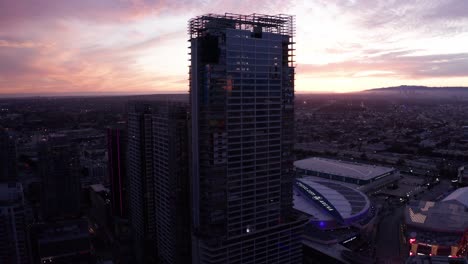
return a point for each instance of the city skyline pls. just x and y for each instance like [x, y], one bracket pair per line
[141, 46]
[366, 168]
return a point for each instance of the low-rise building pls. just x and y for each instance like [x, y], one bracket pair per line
[62, 242]
[13, 222]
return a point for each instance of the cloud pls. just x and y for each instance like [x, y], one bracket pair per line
[37, 67]
[140, 45]
[110, 11]
[387, 19]
[18, 63]
[394, 64]
[21, 44]
[450, 9]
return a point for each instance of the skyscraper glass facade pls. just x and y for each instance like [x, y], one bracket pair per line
[242, 89]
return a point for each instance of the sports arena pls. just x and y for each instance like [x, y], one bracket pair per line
[438, 228]
[340, 218]
[361, 176]
[330, 205]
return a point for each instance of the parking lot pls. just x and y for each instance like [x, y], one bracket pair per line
[414, 187]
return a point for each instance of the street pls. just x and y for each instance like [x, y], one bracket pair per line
[388, 237]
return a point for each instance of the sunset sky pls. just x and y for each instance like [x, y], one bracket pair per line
[140, 46]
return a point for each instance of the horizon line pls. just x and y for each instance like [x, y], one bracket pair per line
[102, 94]
[99, 94]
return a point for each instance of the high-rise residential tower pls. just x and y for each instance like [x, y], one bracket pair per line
[142, 206]
[159, 181]
[170, 138]
[242, 120]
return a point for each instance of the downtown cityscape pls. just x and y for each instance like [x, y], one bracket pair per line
[245, 167]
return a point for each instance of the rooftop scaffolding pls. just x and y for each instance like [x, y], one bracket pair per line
[279, 24]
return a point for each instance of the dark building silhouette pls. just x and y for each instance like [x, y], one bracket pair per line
[158, 181]
[13, 222]
[100, 211]
[242, 134]
[141, 181]
[465, 133]
[8, 163]
[59, 170]
[66, 241]
[170, 139]
[117, 166]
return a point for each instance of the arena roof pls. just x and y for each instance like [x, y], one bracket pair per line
[326, 200]
[446, 216]
[460, 195]
[342, 168]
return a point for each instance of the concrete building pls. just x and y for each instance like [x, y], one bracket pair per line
[242, 127]
[13, 223]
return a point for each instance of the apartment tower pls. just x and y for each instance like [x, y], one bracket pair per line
[170, 139]
[142, 207]
[159, 181]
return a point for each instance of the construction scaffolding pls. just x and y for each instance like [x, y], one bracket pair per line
[279, 24]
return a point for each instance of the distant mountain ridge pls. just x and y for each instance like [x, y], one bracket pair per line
[418, 88]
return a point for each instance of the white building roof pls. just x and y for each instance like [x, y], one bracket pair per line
[343, 168]
[460, 195]
[329, 197]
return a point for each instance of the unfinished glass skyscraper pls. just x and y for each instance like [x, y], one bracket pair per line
[242, 127]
